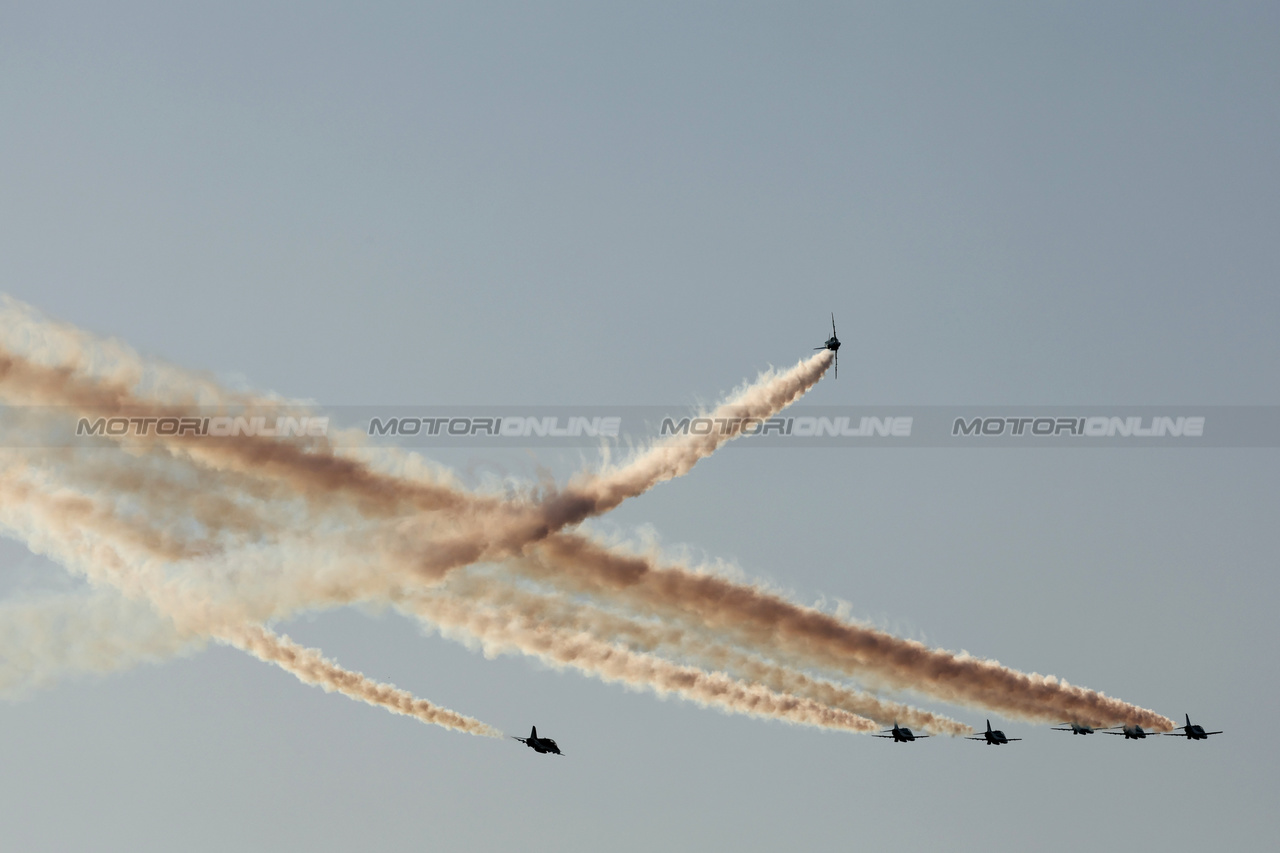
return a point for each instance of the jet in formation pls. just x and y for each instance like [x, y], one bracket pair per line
[539, 744]
[1129, 732]
[833, 344]
[1192, 732]
[900, 734]
[994, 737]
[1075, 729]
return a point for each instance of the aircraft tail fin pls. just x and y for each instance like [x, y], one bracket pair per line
[988, 725]
[1188, 719]
[534, 733]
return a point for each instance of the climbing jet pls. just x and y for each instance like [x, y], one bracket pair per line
[900, 734]
[833, 344]
[539, 744]
[994, 737]
[1192, 732]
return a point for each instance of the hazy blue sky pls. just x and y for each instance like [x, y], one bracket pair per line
[544, 203]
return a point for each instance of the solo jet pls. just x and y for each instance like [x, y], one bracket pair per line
[1192, 732]
[994, 737]
[539, 744]
[900, 734]
[1075, 729]
[1130, 732]
[833, 344]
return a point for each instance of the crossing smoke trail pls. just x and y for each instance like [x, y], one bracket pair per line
[26, 379]
[429, 523]
[602, 661]
[63, 527]
[511, 631]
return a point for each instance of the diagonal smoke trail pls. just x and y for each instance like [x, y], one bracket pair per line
[674, 641]
[761, 619]
[63, 528]
[311, 667]
[509, 631]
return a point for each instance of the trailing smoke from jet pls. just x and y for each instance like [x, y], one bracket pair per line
[758, 618]
[510, 631]
[311, 667]
[420, 528]
[509, 604]
[84, 536]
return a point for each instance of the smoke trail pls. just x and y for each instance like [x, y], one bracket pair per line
[764, 620]
[311, 667]
[508, 631]
[57, 525]
[509, 603]
[593, 494]
[49, 637]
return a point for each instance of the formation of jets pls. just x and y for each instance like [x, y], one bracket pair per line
[992, 737]
[995, 737]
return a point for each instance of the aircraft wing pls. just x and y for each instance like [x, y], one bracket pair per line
[882, 735]
[1105, 732]
[1012, 739]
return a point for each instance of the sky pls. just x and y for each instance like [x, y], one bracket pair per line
[597, 204]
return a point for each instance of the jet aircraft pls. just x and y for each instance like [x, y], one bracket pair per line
[539, 744]
[833, 344]
[1075, 729]
[1129, 732]
[1192, 732]
[994, 737]
[900, 734]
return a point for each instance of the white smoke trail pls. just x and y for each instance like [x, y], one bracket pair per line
[510, 631]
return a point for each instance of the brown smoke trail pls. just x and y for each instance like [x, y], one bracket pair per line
[763, 620]
[510, 603]
[311, 667]
[307, 464]
[610, 662]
